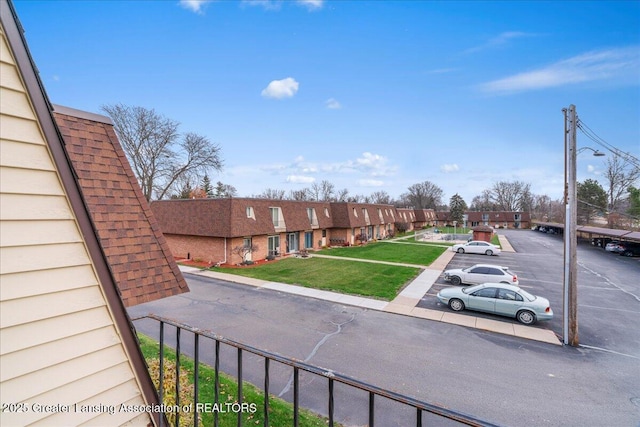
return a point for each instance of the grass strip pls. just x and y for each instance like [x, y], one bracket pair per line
[280, 411]
[390, 252]
[371, 280]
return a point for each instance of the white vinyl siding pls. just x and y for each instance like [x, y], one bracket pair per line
[58, 340]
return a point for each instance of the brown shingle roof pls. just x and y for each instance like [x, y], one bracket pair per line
[129, 234]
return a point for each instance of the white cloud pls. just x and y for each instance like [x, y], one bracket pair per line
[300, 179]
[370, 164]
[501, 40]
[622, 65]
[277, 4]
[278, 89]
[449, 168]
[196, 6]
[311, 4]
[332, 104]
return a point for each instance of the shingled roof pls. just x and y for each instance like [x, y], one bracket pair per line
[129, 234]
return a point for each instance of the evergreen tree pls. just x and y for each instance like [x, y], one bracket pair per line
[457, 207]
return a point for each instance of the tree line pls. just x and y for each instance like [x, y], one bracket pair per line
[170, 164]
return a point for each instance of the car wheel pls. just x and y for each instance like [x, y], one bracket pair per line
[627, 253]
[526, 317]
[455, 280]
[456, 304]
[489, 252]
[460, 250]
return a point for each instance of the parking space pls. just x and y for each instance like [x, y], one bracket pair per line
[531, 281]
[608, 287]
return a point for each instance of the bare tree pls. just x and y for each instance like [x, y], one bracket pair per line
[244, 250]
[159, 156]
[512, 196]
[300, 195]
[483, 202]
[272, 194]
[620, 175]
[380, 197]
[342, 195]
[322, 191]
[425, 195]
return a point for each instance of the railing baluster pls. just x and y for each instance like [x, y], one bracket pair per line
[161, 373]
[296, 395]
[178, 374]
[372, 409]
[330, 402]
[216, 383]
[196, 379]
[240, 385]
[297, 366]
[266, 392]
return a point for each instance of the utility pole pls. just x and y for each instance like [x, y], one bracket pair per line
[570, 300]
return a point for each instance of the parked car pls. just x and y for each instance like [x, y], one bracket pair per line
[498, 298]
[480, 273]
[613, 246]
[476, 247]
[629, 249]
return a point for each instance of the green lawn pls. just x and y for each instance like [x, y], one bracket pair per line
[348, 277]
[280, 411]
[393, 252]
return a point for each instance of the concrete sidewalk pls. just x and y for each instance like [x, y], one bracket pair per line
[405, 303]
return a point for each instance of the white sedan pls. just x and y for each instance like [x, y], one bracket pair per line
[481, 273]
[476, 247]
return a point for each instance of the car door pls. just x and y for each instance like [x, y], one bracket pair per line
[477, 276]
[473, 248]
[508, 302]
[483, 300]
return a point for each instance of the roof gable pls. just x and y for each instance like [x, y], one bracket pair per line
[135, 248]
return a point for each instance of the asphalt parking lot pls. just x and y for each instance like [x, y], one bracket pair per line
[608, 287]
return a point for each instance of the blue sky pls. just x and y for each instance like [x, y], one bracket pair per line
[368, 95]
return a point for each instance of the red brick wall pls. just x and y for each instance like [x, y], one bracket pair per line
[208, 249]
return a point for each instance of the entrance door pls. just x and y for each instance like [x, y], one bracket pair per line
[292, 242]
[246, 242]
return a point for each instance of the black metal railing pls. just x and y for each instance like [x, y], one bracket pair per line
[373, 392]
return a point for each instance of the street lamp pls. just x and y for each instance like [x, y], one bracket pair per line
[570, 289]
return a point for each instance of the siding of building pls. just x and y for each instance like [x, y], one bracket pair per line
[59, 341]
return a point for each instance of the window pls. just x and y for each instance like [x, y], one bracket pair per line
[355, 212]
[485, 217]
[507, 294]
[479, 270]
[275, 216]
[326, 212]
[517, 217]
[308, 240]
[485, 293]
[380, 215]
[313, 220]
[250, 212]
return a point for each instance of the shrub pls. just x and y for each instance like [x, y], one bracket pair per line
[169, 392]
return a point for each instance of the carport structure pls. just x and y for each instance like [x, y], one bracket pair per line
[597, 232]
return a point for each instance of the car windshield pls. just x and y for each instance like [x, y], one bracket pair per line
[527, 295]
[470, 289]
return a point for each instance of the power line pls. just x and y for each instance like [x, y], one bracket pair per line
[586, 130]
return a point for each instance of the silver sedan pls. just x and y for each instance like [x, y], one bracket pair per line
[498, 298]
